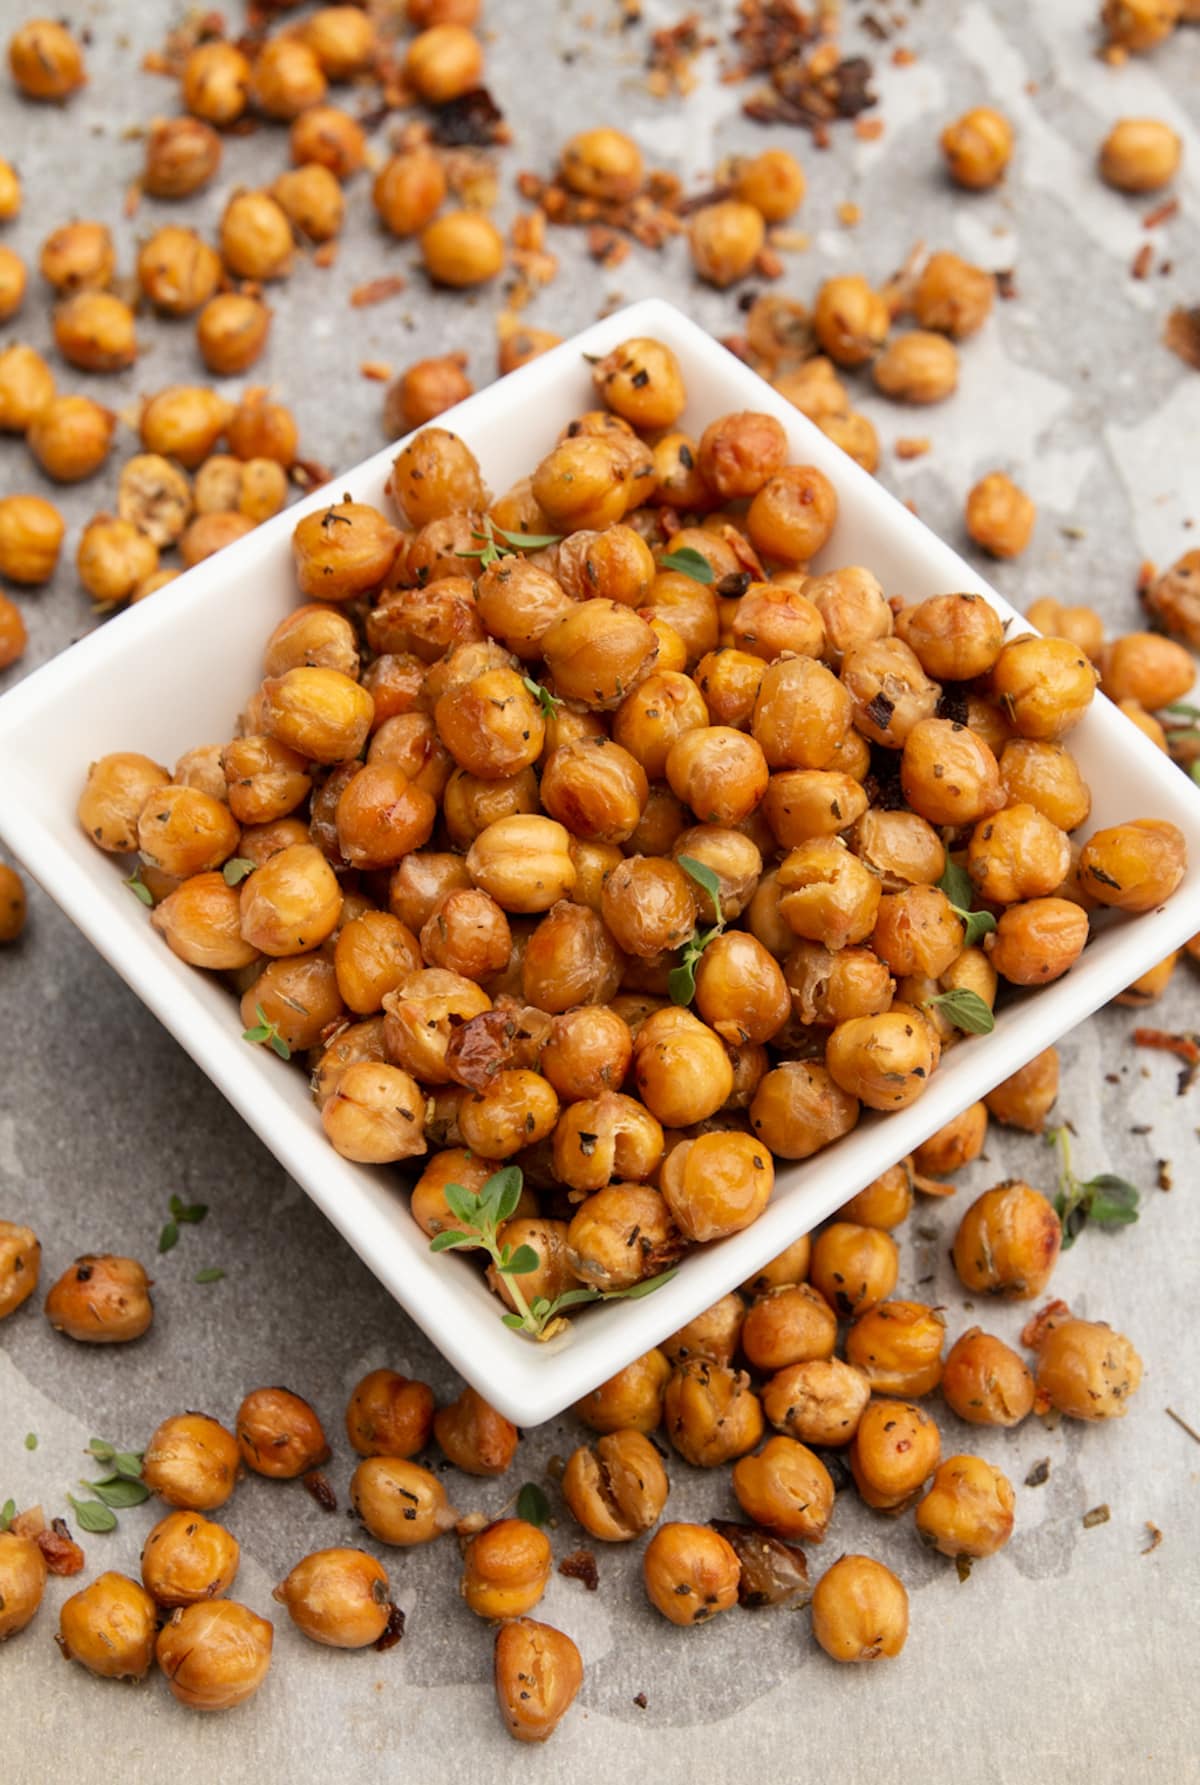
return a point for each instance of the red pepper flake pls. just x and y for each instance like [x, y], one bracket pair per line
[1184, 1047]
[913, 446]
[377, 291]
[641, 1701]
[581, 1565]
[1161, 214]
[903, 57]
[376, 369]
[1143, 260]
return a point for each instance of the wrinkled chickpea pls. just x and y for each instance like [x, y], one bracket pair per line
[1084, 1368]
[191, 1461]
[691, 1573]
[977, 148]
[632, 1399]
[786, 1490]
[389, 1415]
[985, 1382]
[1000, 516]
[538, 1672]
[22, 1582]
[474, 1437]
[45, 61]
[102, 1299]
[113, 557]
[399, 1502]
[339, 1597]
[968, 1510]
[617, 1488]
[892, 1454]
[109, 1628]
[953, 296]
[711, 1414]
[506, 1567]
[31, 534]
[187, 1559]
[279, 1434]
[898, 1347]
[1008, 1242]
[215, 1655]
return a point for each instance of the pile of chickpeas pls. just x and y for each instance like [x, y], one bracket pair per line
[478, 810]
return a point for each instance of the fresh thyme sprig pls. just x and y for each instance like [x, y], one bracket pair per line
[502, 542]
[548, 702]
[956, 884]
[1105, 1200]
[266, 1033]
[138, 887]
[689, 562]
[966, 1010]
[681, 980]
[482, 1217]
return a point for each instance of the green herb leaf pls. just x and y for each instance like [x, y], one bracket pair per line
[102, 1450]
[646, 1287]
[462, 1203]
[570, 1298]
[681, 982]
[1182, 709]
[689, 562]
[523, 1260]
[129, 1464]
[704, 877]
[1106, 1199]
[515, 1322]
[502, 1200]
[1111, 1201]
[119, 1491]
[532, 1505]
[528, 542]
[31, 1441]
[212, 1273]
[236, 870]
[966, 1010]
[451, 1240]
[8, 1513]
[956, 884]
[977, 925]
[168, 1239]
[190, 1212]
[548, 702]
[268, 1032]
[138, 887]
[92, 1515]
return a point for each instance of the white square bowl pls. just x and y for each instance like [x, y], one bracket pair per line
[174, 672]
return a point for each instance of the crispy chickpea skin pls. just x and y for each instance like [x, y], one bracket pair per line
[797, 1109]
[1008, 1242]
[192, 1461]
[538, 1672]
[462, 248]
[101, 1299]
[691, 1573]
[968, 1510]
[474, 1437]
[820, 1401]
[279, 1434]
[109, 1628]
[1025, 1098]
[216, 82]
[860, 1610]
[885, 1061]
[45, 61]
[22, 1582]
[20, 1266]
[506, 1567]
[1133, 867]
[893, 1453]
[885, 1202]
[985, 1382]
[117, 789]
[389, 1415]
[789, 1324]
[1044, 685]
[632, 1399]
[215, 1655]
[1084, 1368]
[711, 1414]
[187, 1559]
[1038, 941]
[641, 381]
[854, 1268]
[898, 1347]
[785, 1489]
[717, 1184]
[725, 239]
[1140, 25]
[339, 1597]
[616, 1488]
[948, 773]
[399, 1502]
[1017, 854]
[26, 387]
[977, 148]
[31, 534]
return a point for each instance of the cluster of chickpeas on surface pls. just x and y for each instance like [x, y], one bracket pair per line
[488, 802]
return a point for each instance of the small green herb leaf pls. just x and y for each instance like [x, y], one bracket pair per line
[212, 1273]
[1106, 1199]
[548, 702]
[1111, 1201]
[523, 1260]
[977, 925]
[689, 562]
[704, 877]
[119, 1491]
[168, 1239]
[956, 884]
[515, 1322]
[528, 542]
[31, 1441]
[966, 1010]
[8, 1513]
[501, 1194]
[138, 887]
[129, 1464]
[451, 1240]
[267, 1032]
[1182, 709]
[236, 870]
[92, 1515]
[102, 1450]
[646, 1287]
[681, 982]
[532, 1505]
[189, 1212]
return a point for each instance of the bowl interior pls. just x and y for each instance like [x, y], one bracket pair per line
[174, 672]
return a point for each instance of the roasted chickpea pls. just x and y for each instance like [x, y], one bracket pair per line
[548, 1239]
[330, 137]
[408, 191]
[31, 533]
[20, 1264]
[984, 1381]
[399, 1502]
[101, 1299]
[321, 713]
[893, 1452]
[215, 1655]
[854, 1268]
[818, 1402]
[200, 922]
[793, 514]
[948, 773]
[790, 1266]
[1084, 1368]
[291, 903]
[603, 164]
[375, 1114]
[373, 954]
[389, 1415]
[1024, 1100]
[860, 1610]
[339, 1597]
[898, 1347]
[538, 1672]
[113, 558]
[22, 1582]
[117, 790]
[506, 1567]
[691, 1573]
[772, 182]
[10, 192]
[182, 831]
[955, 637]
[1139, 25]
[343, 40]
[420, 1015]
[1018, 854]
[828, 988]
[916, 931]
[641, 381]
[617, 1488]
[785, 1489]
[602, 1138]
[977, 148]
[889, 691]
[1140, 155]
[1148, 668]
[797, 1110]
[255, 237]
[155, 497]
[286, 78]
[682, 1071]
[632, 1399]
[185, 422]
[1038, 941]
[789, 1324]
[1008, 1242]
[518, 1109]
[78, 256]
[850, 320]
[1046, 776]
[955, 1144]
[726, 239]
[187, 1559]
[443, 63]
[462, 248]
[1173, 597]
[474, 1437]
[109, 1628]
[211, 533]
[717, 1183]
[26, 387]
[1000, 516]
[45, 61]
[740, 453]
[968, 1510]
[70, 438]
[885, 1202]
[312, 200]
[191, 1461]
[216, 82]
[182, 156]
[953, 296]
[917, 367]
[425, 391]
[279, 1434]
[711, 1414]
[1044, 685]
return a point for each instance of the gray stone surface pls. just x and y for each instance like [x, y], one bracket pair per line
[1070, 1656]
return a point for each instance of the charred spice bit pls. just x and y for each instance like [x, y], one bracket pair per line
[1039, 1474]
[1099, 1515]
[472, 121]
[393, 1630]
[673, 50]
[1143, 260]
[641, 1701]
[1161, 214]
[1184, 1046]
[1155, 1536]
[317, 1484]
[1163, 1177]
[1183, 1424]
[581, 1565]
[377, 291]
[962, 1566]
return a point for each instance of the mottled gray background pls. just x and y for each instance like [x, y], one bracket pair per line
[1070, 1656]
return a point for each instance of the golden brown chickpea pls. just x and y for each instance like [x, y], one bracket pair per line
[506, 1567]
[853, 609]
[850, 320]
[641, 381]
[1084, 1368]
[1133, 867]
[375, 1114]
[419, 1018]
[408, 191]
[648, 906]
[655, 714]
[596, 789]
[443, 63]
[953, 296]
[330, 137]
[948, 773]
[797, 1109]
[462, 248]
[113, 557]
[109, 1628]
[801, 804]
[200, 922]
[22, 1582]
[584, 482]
[216, 82]
[1148, 668]
[729, 681]
[818, 1402]
[26, 387]
[70, 438]
[538, 1672]
[598, 653]
[518, 345]
[185, 422]
[522, 862]
[1173, 597]
[772, 182]
[339, 1597]
[785, 1489]
[182, 831]
[860, 1610]
[1018, 854]
[492, 726]
[682, 1071]
[389, 1415]
[902, 849]
[1046, 776]
[343, 551]
[815, 389]
[1149, 987]
[373, 954]
[716, 1184]
[885, 1202]
[182, 156]
[298, 996]
[826, 894]
[211, 533]
[606, 1137]
[968, 1510]
[400, 1502]
[771, 621]
[898, 1347]
[177, 271]
[741, 991]
[286, 78]
[588, 1052]
[552, 1275]
[10, 191]
[291, 903]
[102, 1299]
[312, 200]
[191, 1461]
[711, 1414]
[425, 391]
[632, 1399]
[790, 1266]
[885, 1061]
[603, 164]
[1083, 626]
[955, 1144]
[279, 1434]
[856, 435]
[917, 367]
[726, 239]
[473, 1436]
[321, 713]
[1000, 516]
[434, 475]
[255, 237]
[792, 516]
[118, 787]
[31, 533]
[20, 1265]
[1008, 1242]
[893, 1453]
[977, 148]
[889, 691]
[78, 256]
[1140, 155]
[1146, 722]
[741, 452]
[187, 1559]
[615, 565]
[955, 637]
[262, 429]
[264, 779]
[714, 1333]
[215, 1655]
[95, 331]
[518, 1109]
[45, 61]
[1024, 1100]
[617, 1488]
[1139, 25]
[719, 772]
[691, 1573]
[1038, 941]
[788, 1324]
[259, 842]
[155, 497]
[916, 931]
[984, 1381]
[342, 38]
[854, 1268]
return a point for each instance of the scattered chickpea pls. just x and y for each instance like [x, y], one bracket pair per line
[101, 1300]
[443, 63]
[1008, 1242]
[26, 387]
[726, 239]
[192, 1461]
[182, 156]
[506, 1567]
[892, 1454]
[538, 1672]
[187, 1559]
[255, 237]
[604, 164]
[216, 82]
[917, 367]
[978, 147]
[31, 534]
[1084, 1368]
[343, 40]
[474, 1437]
[850, 320]
[184, 422]
[22, 1582]
[772, 182]
[860, 1610]
[214, 1655]
[71, 437]
[330, 137]
[462, 248]
[425, 391]
[109, 1628]
[985, 1382]
[338, 1597]
[312, 199]
[13, 279]
[953, 296]
[390, 1415]
[1139, 25]
[279, 1434]
[20, 1251]
[617, 1488]
[399, 1502]
[45, 60]
[691, 1573]
[1000, 516]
